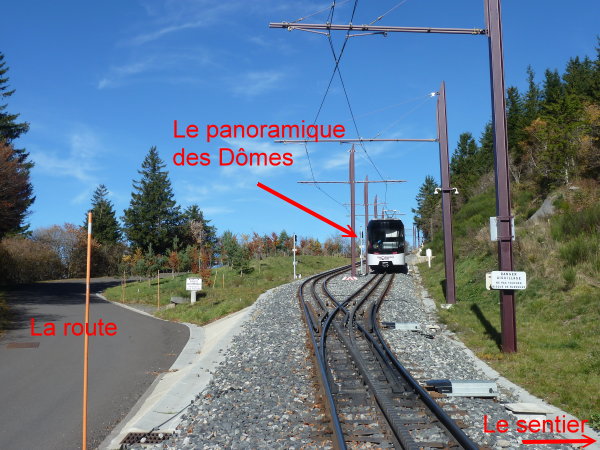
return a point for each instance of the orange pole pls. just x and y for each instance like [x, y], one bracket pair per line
[158, 290]
[85, 335]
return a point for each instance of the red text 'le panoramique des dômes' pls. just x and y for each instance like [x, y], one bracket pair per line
[241, 157]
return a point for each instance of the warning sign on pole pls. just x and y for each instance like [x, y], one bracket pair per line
[508, 280]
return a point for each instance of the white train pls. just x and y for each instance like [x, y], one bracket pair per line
[385, 245]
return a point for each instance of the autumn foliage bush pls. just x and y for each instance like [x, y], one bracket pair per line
[23, 260]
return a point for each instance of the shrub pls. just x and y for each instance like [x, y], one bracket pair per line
[569, 277]
[576, 251]
[586, 221]
[24, 260]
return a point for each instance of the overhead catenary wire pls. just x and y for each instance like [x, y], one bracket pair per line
[410, 111]
[337, 58]
[337, 69]
[312, 174]
[318, 12]
[388, 11]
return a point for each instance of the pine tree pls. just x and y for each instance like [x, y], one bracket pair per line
[553, 89]
[462, 165]
[193, 214]
[427, 204]
[9, 131]
[531, 101]
[228, 247]
[153, 218]
[105, 227]
[15, 191]
[485, 155]
[9, 128]
[579, 78]
[515, 122]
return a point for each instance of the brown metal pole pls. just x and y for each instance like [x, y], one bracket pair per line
[364, 241]
[85, 334]
[503, 207]
[375, 208]
[352, 214]
[366, 197]
[446, 196]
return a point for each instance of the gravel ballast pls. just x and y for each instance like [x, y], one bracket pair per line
[263, 394]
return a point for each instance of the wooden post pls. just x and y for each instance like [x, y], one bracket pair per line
[85, 335]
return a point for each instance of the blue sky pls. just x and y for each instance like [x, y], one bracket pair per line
[100, 83]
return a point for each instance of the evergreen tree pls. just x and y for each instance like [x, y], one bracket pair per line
[485, 155]
[9, 128]
[531, 100]
[515, 122]
[153, 218]
[515, 116]
[15, 191]
[579, 78]
[105, 227]
[192, 216]
[427, 204]
[229, 246]
[462, 165]
[553, 89]
[284, 242]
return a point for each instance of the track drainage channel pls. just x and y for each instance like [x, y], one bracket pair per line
[146, 438]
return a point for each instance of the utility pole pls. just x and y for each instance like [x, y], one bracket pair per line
[375, 208]
[503, 207]
[352, 213]
[366, 202]
[446, 196]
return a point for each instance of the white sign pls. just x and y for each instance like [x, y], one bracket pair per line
[193, 284]
[508, 280]
[428, 253]
[494, 228]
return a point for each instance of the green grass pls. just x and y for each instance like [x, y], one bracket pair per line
[217, 301]
[558, 315]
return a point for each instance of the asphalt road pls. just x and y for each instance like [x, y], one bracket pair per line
[41, 387]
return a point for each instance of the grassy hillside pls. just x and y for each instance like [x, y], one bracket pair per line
[558, 316]
[230, 293]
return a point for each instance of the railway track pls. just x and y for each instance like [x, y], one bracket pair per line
[372, 400]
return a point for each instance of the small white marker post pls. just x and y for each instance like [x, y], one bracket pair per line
[294, 251]
[429, 254]
[362, 248]
[194, 285]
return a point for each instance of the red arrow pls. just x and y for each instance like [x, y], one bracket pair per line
[349, 232]
[587, 441]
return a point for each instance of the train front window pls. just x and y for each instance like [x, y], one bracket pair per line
[386, 237]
